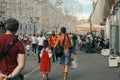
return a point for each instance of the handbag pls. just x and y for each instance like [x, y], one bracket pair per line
[73, 61]
[59, 49]
[73, 64]
[18, 77]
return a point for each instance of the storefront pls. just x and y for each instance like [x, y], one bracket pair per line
[115, 29]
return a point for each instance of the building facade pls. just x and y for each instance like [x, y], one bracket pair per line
[37, 15]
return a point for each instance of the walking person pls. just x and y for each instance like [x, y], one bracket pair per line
[65, 58]
[52, 41]
[74, 39]
[40, 40]
[45, 64]
[28, 47]
[34, 43]
[14, 61]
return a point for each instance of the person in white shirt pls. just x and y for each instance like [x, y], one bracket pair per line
[34, 43]
[40, 40]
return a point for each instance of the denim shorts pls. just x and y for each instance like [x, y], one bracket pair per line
[65, 58]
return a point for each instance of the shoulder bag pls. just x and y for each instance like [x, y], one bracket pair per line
[60, 50]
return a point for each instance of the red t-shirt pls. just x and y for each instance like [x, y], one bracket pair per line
[9, 62]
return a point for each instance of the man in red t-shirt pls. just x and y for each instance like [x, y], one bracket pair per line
[14, 61]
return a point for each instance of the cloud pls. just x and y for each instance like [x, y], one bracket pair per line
[82, 16]
[84, 2]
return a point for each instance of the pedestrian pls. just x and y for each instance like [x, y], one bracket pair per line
[65, 58]
[52, 41]
[34, 43]
[28, 47]
[74, 39]
[14, 61]
[40, 40]
[45, 64]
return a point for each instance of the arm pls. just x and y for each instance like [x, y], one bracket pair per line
[2, 76]
[41, 53]
[50, 53]
[20, 66]
[56, 43]
[71, 41]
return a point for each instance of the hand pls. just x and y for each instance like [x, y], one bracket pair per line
[3, 76]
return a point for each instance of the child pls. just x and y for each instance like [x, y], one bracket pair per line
[45, 64]
[28, 48]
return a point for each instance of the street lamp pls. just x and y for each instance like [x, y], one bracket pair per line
[34, 23]
[56, 27]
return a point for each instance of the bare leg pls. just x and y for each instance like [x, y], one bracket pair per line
[65, 71]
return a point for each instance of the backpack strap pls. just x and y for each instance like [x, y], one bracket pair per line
[6, 50]
[63, 40]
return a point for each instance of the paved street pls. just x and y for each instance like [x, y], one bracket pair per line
[90, 67]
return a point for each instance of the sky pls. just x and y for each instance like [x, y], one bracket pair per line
[80, 8]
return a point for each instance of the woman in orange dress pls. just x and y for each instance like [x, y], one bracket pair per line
[45, 65]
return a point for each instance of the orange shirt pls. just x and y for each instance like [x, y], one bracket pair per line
[67, 41]
[52, 40]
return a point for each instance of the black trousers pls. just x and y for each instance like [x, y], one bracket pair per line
[39, 51]
[53, 56]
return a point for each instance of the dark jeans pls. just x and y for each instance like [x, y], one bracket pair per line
[53, 56]
[39, 51]
[34, 47]
[88, 50]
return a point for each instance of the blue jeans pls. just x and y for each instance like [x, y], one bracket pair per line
[65, 58]
[34, 47]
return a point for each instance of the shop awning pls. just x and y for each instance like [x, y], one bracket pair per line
[86, 27]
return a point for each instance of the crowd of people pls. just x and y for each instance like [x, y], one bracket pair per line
[92, 44]
[13, 61]
[38, 43]
[44, 47]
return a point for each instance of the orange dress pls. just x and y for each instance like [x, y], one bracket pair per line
[45, 64]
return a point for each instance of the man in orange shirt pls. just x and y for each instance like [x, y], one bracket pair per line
[52, 41]
[65, 58]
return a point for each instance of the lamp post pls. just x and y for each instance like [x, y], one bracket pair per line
[56, 27]
[34, 23]
[34, 28]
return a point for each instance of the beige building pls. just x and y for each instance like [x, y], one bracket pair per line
[36, 16]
